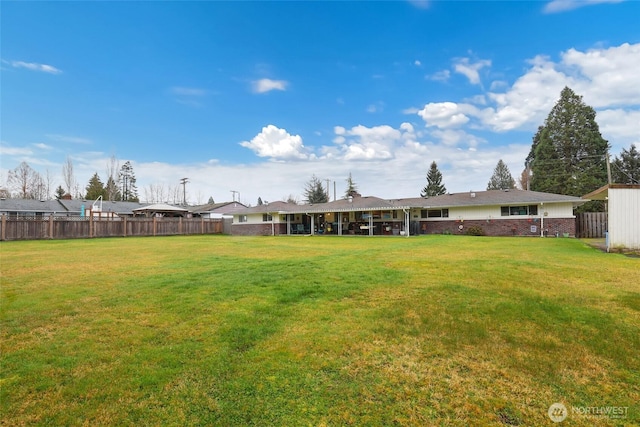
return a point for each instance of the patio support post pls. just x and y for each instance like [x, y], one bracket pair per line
[339, 220]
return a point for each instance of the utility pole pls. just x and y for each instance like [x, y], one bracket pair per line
[184, 181]
[328, 194]
[608, 169]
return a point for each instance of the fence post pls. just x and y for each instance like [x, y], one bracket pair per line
[4, 227]
[124, 226]
[201, 225]
[51, 226]
[180, 226]
[154, 225]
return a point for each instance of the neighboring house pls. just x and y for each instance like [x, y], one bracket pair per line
[28, 208]
[218, 210]
[497, 212]
[162, 210]
[623, 207]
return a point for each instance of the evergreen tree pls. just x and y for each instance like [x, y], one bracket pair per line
[210, 202]
[95, 188]
[315, 192]
[569, 152]
[112, 192]
[501, 178]
[260, 201]
[352, 188]
[434, 185]
[128, 183]
[60, 192]
[626, 168]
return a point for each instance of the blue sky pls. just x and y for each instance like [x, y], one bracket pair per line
[258, 96]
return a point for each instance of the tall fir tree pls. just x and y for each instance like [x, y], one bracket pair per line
[568, 153]
[112, 190]
[95, 188]
[352, 188]
[501, 178]
[626, 168]
[314, 191]
[59, 192]
[434, 186]
[128, 183]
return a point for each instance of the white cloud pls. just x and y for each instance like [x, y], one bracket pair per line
[555, 6]
[470, 70]
[606, 77]
[420, 4]
[67, 138]
[446, 114]
[188, 91]
[34, 66]
[440, 76]
[267, 85]
[417, 63]
[42, 146]
[277, 144]
[620, 127]
[377, 107]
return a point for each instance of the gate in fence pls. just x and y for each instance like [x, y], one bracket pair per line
[591, 224]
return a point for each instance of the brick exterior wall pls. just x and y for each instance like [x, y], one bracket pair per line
[503, 227]
[263, 229]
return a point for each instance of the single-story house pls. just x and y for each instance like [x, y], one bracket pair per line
[162, 210]
[29, 208]
[623, 207]
[218, 210]
[496, 212]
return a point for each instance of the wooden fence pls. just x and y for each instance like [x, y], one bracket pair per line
[591, 224]
[89, 227]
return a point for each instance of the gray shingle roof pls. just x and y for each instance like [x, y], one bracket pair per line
[370, 203]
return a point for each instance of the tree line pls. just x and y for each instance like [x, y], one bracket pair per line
[26, 183]
[568, 156]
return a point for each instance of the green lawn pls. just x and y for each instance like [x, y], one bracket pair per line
[269, 331]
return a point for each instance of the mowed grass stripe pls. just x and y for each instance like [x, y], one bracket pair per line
[222, 330]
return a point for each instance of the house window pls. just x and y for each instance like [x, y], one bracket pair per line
[242, 218]
[519, 210]
[266, 217]
[435, 213]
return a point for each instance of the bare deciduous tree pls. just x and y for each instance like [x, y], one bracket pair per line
[24, 181]
[68, 176]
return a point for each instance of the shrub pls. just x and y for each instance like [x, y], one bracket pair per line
[475, 230]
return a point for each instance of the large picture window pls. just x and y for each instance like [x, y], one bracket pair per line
[266, 217]
[519, 210]
[435, 213]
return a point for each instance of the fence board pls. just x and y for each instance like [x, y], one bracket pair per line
[591, 225]
[87, 227]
